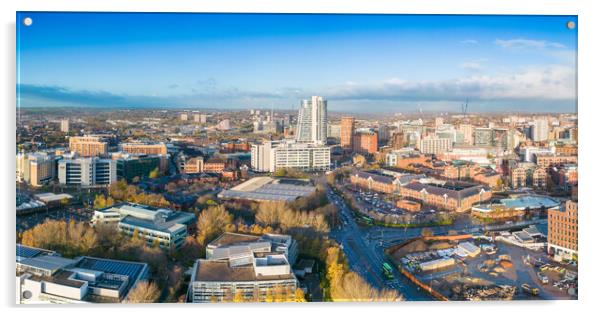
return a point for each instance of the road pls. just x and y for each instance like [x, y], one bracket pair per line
[366, 255]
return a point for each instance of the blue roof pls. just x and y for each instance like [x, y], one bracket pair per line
[27, 252]
[130, 269]
[530, 201]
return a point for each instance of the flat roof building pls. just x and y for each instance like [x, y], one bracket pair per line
[245, 266]
[269, 189]
[45, 277]
[166, 227]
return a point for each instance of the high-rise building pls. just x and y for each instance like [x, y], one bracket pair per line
[562, 231]
[65, 125]
[540, 130]
[224, 125]
[89, 146]
[365, 142]
[312, 122]
[274, 155]
[334, 131]
[383, 133]
[87, 172]
[347, 130]
[200, 118]
[483, 136]
[184, 117]
[466, 130]
[435, 145]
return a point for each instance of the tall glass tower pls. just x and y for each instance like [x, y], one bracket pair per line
[312, 123]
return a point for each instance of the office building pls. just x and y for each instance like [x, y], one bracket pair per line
[157, 226]
[89, 146]
[245, 266]
[365, 141]
[334, 131]
[132, 166]
[87, 172]
[483, 136]
[312, 121]
[65, 125]
[347, 131]
[446, 195]
[146, 148]
[563, 232]
[43, 276]
[435, 145]
[273, 155]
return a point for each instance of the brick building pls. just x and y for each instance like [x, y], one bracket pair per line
[563, 231]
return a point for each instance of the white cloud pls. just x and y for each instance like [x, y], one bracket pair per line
[555, 83]
[522, 44]
[469, 42]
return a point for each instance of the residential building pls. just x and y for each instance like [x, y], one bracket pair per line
[65, 125]
[36, 169]
[273, 155]
[184, 117]
[539, 178]
[347, 131]
[563, 231]
[312, 121]
[87, 172]
[89, 146]
[519, 177]
[365, 142]
[157, 226]
[245, 266]
[446, 195]
[540, 130]
[546, 160]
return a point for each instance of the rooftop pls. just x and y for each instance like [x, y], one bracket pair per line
[220, 271]
[269, 189]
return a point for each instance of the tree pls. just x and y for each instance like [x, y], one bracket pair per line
[211, 223]
[238, 297]
[299, 295]
[144, 292]
[154, 173]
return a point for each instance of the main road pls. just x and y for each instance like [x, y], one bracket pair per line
[365, 255]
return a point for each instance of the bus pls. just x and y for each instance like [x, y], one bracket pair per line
[387, 271]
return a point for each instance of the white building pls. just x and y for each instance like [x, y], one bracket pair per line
[43, 276]
[312, 121]
[540, 130]
[224, 125]
[251, 267]
[166, 227]
[65, 125]
[435, 145]
[273, 155]
[87, 172]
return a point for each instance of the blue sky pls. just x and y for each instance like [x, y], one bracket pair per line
[382, 63]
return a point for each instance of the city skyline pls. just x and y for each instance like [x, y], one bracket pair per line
[375, 63]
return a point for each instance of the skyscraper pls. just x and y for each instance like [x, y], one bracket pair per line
[347, 129]
[312, 123]
[539, 130]
[65, 125]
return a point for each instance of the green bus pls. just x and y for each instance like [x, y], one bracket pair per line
[387, 271]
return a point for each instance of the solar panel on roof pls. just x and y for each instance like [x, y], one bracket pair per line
[26, 252]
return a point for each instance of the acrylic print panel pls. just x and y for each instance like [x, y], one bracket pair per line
[213, 158]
